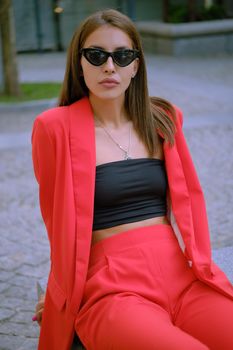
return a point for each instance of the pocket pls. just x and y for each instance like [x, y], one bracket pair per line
[96, 267]
[57, 294]
[127, 266]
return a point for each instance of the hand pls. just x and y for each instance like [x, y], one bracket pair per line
[39, 310]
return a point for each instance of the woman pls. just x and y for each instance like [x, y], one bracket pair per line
[130, 254]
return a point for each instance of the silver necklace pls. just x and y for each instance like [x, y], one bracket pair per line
[126, 152]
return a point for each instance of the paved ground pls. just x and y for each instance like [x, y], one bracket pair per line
[202, 87]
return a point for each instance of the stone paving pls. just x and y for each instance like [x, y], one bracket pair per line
[202, 87]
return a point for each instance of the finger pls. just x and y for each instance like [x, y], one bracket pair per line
[39, 318]
[39, 308]
[39, 305]
[42, 297]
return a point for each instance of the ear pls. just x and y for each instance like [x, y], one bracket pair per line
[135, 67]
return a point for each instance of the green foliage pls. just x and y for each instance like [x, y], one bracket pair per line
[213, 12]
[34, 91]
[180, 13]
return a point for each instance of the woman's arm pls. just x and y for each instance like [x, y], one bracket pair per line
[43, 155]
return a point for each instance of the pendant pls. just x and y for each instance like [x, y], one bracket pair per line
[127, 157]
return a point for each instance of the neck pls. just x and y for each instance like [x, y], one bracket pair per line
[109, 112]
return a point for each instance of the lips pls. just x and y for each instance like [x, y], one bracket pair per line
[109, 82]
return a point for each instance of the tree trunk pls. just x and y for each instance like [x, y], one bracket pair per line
[165, 10]
[192, 10]
[7, 31]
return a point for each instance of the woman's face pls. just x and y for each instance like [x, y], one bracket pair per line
[108, 81]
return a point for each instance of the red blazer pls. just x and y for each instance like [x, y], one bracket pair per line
[63, 148]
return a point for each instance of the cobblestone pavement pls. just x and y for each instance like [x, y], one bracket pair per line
[202, 87]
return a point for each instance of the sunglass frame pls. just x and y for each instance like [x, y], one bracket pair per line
[84, 52]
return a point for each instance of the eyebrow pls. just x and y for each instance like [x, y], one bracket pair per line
[116, 49]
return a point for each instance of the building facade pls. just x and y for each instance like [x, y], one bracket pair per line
[49, 24]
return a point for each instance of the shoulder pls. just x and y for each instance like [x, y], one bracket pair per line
[54, 120]
[57, 117]
[55, 123]
[51, 125]
[53, 117]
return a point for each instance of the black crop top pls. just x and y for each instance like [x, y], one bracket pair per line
[128, 191]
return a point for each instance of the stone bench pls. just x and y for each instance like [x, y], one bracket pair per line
[207, 37]
[223, 258]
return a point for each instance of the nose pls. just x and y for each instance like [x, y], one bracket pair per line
[109, 65]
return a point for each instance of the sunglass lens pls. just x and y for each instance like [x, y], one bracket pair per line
[124, 58]
[95, 57]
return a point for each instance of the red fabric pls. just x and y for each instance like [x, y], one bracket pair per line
[141, 293]
[63, 149]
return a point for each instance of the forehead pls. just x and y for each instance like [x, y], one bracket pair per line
[108, 38]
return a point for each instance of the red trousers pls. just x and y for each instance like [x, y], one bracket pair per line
[141, 294]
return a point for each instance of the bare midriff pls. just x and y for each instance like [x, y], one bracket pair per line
[98, 235]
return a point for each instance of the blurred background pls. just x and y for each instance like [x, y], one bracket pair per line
[173, 27]
[49, 24]
[188, 47]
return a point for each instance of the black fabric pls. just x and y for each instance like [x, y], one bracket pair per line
[128, 191]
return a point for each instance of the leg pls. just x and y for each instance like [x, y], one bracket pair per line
[123, 322]
[208, 316]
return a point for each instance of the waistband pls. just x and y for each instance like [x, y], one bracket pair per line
[128, 239]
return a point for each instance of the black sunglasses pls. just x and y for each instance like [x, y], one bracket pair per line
[97, 57]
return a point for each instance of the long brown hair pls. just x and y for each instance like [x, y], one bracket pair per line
[147, 114]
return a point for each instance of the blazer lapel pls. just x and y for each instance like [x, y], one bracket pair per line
[83, 158]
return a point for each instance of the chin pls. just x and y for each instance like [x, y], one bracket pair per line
[108, 95]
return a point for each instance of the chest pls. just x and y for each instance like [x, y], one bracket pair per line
[112, 147]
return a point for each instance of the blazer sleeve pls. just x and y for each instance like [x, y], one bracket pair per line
[197, 200]
[43, 156]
